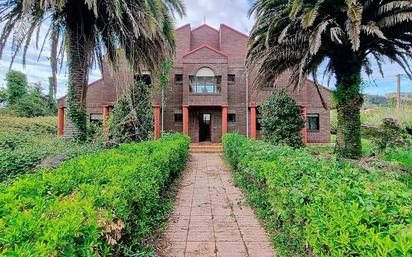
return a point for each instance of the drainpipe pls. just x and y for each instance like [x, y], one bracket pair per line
[247, 104]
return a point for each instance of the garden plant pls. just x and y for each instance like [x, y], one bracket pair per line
[102, 204]
[281, 120]
[315, 206]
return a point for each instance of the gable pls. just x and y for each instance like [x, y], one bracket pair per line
[205, 54]
[205, 35]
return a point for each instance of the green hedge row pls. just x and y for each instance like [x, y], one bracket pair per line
[319, 207]
[94, 205]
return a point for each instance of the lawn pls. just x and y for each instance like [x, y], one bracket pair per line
[373, 116]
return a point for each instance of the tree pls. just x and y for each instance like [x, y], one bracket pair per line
[281, 120]
[300, 35]
[23, 100]
[132, 118]
[16, 86]
[143, 28]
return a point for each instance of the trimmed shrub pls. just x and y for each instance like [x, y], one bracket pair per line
[281, 120]
[100, 204]
[321, 207]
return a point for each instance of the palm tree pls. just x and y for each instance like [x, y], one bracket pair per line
[87, 29]
[300, 36]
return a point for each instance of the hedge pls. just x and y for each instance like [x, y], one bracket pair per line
[320, 207]
[37, 125]
[94, 205]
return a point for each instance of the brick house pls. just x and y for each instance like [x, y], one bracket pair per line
[210, 91]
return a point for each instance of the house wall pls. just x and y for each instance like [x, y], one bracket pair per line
[223, 51]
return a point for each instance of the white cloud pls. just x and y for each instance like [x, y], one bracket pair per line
[215, 12]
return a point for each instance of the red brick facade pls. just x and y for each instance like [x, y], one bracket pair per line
[223, 52]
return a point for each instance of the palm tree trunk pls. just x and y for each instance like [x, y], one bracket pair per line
[349, 102]
[79, 46]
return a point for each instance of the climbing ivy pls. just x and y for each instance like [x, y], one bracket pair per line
[77, 115]
[349, 101]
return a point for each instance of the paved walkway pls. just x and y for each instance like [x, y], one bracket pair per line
[211, 217]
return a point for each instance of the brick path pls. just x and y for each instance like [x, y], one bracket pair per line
[211, 217]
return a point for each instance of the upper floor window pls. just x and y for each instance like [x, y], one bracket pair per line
[179, 79]
[205, 82]
[231, 79]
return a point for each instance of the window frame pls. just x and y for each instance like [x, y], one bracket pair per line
[202, 84]
[179, 120]
[178, 82]
[231, 115]
[313, 115]
[229, 81]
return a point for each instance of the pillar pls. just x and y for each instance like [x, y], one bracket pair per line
[224, 120]
[60, 122]
[156, 110]
[186, 120]
[253, 122]
[106, 114]
[304, 130]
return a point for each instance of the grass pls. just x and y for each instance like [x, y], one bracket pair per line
[29, 144]
[402, 157]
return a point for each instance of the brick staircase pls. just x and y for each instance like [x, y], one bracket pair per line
[206, 148]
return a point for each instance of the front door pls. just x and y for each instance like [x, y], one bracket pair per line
[204, 127]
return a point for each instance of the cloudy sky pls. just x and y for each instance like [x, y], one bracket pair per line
[231, 12]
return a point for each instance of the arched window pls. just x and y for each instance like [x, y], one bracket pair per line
[205, 82]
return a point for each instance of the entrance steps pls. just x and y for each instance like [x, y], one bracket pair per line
[206, 148]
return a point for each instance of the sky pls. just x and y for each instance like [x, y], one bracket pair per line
[214, 12]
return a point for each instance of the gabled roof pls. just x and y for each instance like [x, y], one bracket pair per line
[205, 26]
[234, 30]
[183, 26]
[205, 46]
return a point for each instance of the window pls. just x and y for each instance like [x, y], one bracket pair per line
[313, 122]
[179, 79]
[205, 82]
[231, 117]
[145, 78]
[231, 79]
[258, 125]
[96, 118]
[178, 117]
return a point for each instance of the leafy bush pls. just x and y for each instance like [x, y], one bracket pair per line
[132, 118]
[37, 126]
[100, 204]
[21, 154]
[388, 135]
[321, 207]
[28, 144]
[281, 120]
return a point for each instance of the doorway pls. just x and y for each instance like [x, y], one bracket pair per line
[205, 120]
